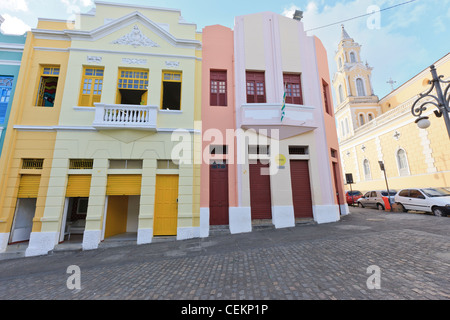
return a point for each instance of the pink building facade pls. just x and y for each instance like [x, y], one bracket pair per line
[269, 138]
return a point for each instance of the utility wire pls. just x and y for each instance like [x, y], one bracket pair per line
[363, 15]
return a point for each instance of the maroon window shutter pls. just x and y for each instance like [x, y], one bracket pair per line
[293, 85]
[218, 92]
[256, 87]
[213, 93]
[326, 97]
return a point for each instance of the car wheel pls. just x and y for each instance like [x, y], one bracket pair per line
[402, 207]
[380, 207]
[360, 205]
[438, 212]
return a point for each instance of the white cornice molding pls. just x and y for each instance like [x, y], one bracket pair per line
[134, 53]
[10, 62]
[86, 128]
[12, 47]
[51, 49]
[99, 51]
[56, 20]
[50, 34]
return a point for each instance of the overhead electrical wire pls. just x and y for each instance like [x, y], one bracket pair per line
[363, 15]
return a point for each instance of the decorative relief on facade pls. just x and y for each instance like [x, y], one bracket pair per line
[172, 64]
[134, 61]
[94, 59]
[136, 39]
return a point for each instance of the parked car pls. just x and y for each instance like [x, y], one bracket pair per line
[377, 199]
[434, 200]
[353, 196]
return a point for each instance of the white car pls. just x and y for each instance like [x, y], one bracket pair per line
[435, 200]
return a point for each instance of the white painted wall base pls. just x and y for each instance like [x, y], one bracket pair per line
[283, 216]
[91, 239]
[188, 233]
[240, 220]
[41, 243]
[144, 236]
[344, 209]
[326, 213]
[3, 241]
[204, 222]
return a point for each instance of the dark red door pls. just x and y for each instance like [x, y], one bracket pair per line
[301, 189]
[336, 184]
[260, 192]
[218, 194]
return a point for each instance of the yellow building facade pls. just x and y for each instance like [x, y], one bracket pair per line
[126, 79]
[372, 129]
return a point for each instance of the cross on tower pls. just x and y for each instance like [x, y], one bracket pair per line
[391, 82]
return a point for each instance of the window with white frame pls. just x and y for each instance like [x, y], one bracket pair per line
[402, 162]
[367, 173]
[352, 57]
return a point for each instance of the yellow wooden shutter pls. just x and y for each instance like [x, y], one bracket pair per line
[29, 186]
[78, 186]
[124, 185]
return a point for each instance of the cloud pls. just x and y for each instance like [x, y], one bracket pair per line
[84, 3]
[13, 25]
[289, 12]
[13, 5]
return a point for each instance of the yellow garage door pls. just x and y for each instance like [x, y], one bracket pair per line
[116, 216]
[166, 205]
[78, 186]
[124, 185]
[29, 186]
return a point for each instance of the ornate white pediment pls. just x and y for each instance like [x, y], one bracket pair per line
[136, 39]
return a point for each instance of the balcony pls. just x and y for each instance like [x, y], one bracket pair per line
[298, 119]
[121, 116]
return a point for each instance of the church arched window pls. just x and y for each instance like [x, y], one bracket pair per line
[352, 57]
[360, 87]
[341, 94]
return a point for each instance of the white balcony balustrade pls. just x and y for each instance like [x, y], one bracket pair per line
[120, 116]
[297, 119]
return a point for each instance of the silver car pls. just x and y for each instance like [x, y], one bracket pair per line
[376, 199]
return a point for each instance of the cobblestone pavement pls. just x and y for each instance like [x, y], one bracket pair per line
[313, 262]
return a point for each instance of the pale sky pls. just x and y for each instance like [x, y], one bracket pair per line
[401, 43]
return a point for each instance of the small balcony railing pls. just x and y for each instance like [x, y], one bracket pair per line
[115, 116]
[297, 119]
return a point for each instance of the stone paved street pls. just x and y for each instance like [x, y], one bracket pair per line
[306, 262]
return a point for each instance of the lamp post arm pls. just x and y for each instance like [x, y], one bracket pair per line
[417, 112]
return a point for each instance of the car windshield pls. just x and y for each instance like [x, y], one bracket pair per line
[391, 193]
[436, 192]
[354, 193]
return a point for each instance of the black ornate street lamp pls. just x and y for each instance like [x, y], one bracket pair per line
[441, 101]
